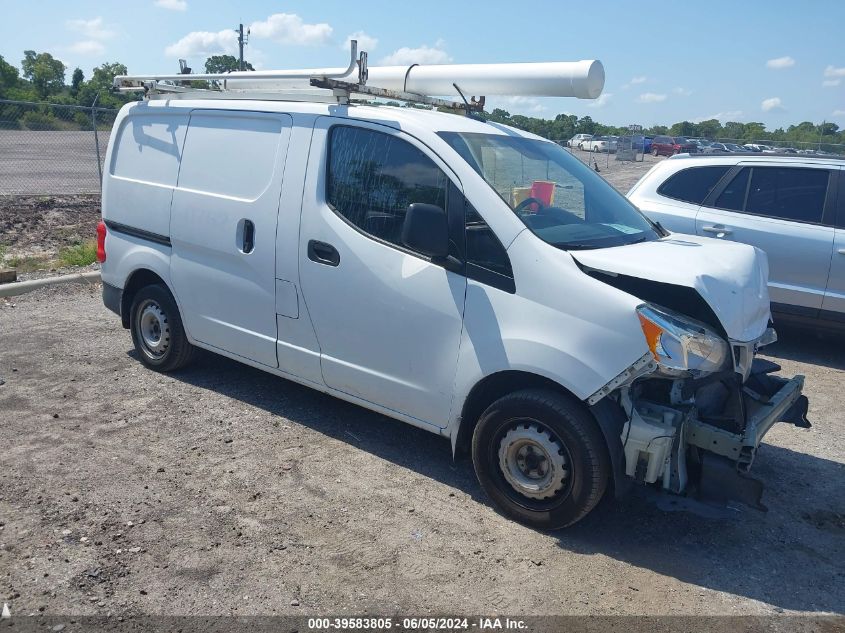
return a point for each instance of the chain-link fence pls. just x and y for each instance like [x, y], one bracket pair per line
[52, 149]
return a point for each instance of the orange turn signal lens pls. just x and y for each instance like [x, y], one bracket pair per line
[652, 333]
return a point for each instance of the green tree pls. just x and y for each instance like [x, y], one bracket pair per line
[76, 81]
[684, 128]
[224, 64]
[8, 77]
[45, 72]
[100, 83]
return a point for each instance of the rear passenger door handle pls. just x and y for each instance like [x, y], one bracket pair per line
[719, 230]
[323, 253]
[841, 251]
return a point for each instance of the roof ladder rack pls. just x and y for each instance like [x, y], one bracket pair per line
[332, 85]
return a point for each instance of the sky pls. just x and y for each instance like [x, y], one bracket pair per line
[778, 62]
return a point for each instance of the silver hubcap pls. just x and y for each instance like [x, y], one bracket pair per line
[533, 462]
[154, 329]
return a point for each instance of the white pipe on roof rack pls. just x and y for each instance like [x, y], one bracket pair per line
[583, 79]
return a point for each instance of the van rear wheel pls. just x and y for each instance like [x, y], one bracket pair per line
[157, 330]
[541, 458]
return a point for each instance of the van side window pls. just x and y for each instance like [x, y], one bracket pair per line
[483, 247]
[373, 177]
[692, 185]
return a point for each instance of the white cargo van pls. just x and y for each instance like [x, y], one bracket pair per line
[461, 276]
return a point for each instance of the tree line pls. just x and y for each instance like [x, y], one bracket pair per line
[41, 78]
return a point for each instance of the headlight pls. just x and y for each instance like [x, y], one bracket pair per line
[682, 344]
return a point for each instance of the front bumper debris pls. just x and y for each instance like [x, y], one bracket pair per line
[727, 457]
[763, 411]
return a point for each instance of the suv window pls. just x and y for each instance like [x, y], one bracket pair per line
[787, 193]
[692, 185]
[373, 177]
[733, 197]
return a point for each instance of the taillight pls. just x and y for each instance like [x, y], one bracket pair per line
[101, 241]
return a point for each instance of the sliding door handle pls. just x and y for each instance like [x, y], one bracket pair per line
[323, 253]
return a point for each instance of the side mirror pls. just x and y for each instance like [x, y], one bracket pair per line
[426, 230]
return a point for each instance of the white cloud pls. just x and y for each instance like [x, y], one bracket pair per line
[94, 29]
[640, 79]
[684, 92]
[727, 115]
[526, 104]
[172, 5]
[779, 63]
[203, 44]
[839, 113]
[651, 97]
[832, 71]
[831, 83]
[602, 100]
[366, 42]
[423, 55]
[772, 103]
[288, 28]
[87, 47]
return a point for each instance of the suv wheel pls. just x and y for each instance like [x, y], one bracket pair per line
[654, 152]
[157, 330]
[541, 457]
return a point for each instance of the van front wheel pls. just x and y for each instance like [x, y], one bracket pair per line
[157, 330]
[541, 457]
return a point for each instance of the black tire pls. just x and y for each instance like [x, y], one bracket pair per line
[173, 351]
[654, 152]
[571, 428]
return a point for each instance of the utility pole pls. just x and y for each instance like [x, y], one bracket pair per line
[241, 42]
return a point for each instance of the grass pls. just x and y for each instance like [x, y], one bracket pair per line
[3, 249]
[82, 254]
[28, 264]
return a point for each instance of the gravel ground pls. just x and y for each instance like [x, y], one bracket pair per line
[50, 162]
[224, 490]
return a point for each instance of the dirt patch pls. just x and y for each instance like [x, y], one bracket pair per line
[223, 490]
[35, 228]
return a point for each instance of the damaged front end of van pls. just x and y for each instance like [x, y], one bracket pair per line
[697, 405]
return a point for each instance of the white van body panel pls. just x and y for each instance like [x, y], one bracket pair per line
[388, 322]
[142, 166]
[229, 294]
[545, 327]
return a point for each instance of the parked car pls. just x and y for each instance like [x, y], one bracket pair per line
[733, 148]
[470, 279]
[782, 205]
[600, 144]
[715, 148]
[669, 145]
[637, 142]
[575, 141]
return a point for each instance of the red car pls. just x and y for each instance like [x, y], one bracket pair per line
[670, 145]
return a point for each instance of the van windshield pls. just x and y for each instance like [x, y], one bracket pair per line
[559, 198]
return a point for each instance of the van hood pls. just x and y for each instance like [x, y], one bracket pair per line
[731, 278]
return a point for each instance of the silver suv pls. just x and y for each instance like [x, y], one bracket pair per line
[791, 207]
